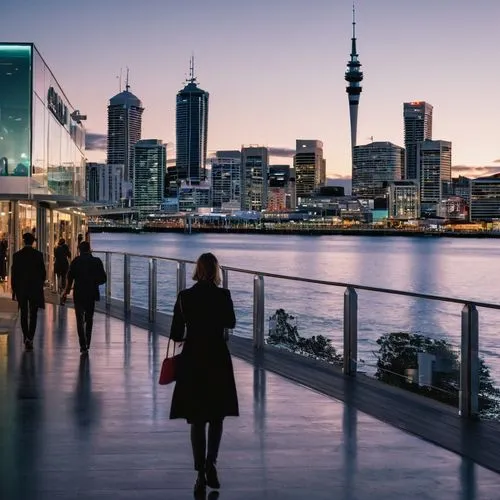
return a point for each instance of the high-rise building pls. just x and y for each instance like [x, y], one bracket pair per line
[226, 184]
[417, 128]
[281, 195]
[254, 172]
[150, 160]
[124, 130]
[354, 76]
[485, 198]
[191, 131]
[435, 174]
[105, 183]
[374, 166]
[404, 200]
[194, 196]
[309, 167]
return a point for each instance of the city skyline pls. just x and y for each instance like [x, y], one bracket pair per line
[277, 87]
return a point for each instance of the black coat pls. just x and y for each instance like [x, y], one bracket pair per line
[87, 273]
[205, 389]
[61, 259]
[28, 276]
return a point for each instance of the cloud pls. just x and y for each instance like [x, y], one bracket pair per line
[497, 161]
[281, 152]
[95, 141]
[474, 171]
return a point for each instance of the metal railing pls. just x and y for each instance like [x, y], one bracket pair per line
[469, 366]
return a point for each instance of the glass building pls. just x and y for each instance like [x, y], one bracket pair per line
[226, 167]
[417, 117]
[42, 153]
[485, 198]
[310, 167]
[191, 131]
[150, 163]
[254, 183]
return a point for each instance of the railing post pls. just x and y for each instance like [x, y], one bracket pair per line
[181, 276]
[152, 289]
[108, 279]
[258, 312]
[225, 284]
[350, 331]
[469, 365]
[126, 283]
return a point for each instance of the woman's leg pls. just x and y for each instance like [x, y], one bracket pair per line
[214, 438]
[199, 444]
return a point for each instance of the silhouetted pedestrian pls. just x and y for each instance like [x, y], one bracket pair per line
[28, 277]
[87, 273]
[61, 263]
[205, 391]
[4, 247]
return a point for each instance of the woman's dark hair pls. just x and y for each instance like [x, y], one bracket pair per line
[62, 241]
[207, 269]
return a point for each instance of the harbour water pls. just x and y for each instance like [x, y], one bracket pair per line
[464, 268]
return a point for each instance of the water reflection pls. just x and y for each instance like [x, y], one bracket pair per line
[350, 446]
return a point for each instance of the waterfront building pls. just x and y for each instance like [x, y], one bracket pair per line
[485, 198]
[254, 177]
[282, 187]
[460, 186]
[310, 167]
[375, 165]
[193, 197]
[453, 208]
[104, 183]
[435, 174]
[150, 160]
[191, 131]
[42, 154]
[124, 130]
[226, 182]
[417, 128]
[354, 76]
[404, 200]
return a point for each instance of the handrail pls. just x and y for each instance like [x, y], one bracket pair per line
[367, 288]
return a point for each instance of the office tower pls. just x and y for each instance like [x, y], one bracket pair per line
[194, 196]
[435, 174]
[404, 200]
[105, 183]
[418, 127]
[226, 184]
[150, 160]
[374, 166]
[309, 166]
[485, 198]
[254, 167]
[124, 129]
[191, 130]
[354, 76]
[281, 194]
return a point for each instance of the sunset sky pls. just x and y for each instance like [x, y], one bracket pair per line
[275, 68]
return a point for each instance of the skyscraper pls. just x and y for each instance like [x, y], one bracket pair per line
[191, 130]
[226, 184]
[309, 167]
[254, 170]
[124, 129]
[435, 174]
[374, 166]
[354, 76]
[418, 127]
[150, 159]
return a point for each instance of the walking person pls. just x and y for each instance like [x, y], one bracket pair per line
[62, 256]
[4, 247]
[27, 278]
[205, 390]
[87, 273]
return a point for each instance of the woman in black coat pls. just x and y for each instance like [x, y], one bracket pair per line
[205, 391]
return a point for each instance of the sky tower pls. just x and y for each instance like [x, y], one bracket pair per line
[354, 76]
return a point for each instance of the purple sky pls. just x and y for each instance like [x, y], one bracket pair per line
[275, 68]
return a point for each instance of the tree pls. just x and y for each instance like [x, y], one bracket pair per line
[398, 353]
[283, 333]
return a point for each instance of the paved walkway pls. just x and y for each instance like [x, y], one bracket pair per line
[98, 428]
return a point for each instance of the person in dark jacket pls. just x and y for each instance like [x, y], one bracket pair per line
[4, 248]
[28, 277]
[87, 273]
[205, 391]
[61, 263]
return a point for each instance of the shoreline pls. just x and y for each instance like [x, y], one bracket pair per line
[302, 232]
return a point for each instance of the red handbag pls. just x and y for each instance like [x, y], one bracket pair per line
[168, 373]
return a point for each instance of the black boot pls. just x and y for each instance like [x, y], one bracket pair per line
[212, 478]
[200, 485]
